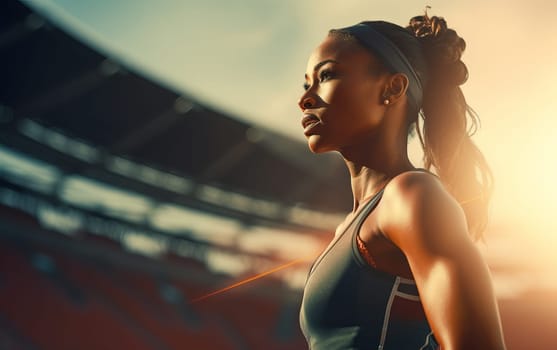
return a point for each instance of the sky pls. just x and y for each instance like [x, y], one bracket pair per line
[248, 58]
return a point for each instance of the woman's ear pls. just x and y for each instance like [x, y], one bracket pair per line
[395, 88]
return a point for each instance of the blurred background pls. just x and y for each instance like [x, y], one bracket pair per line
[151, 153]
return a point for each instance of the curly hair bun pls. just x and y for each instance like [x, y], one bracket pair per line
[442, 48]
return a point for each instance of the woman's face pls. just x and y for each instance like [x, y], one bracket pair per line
[342, 103]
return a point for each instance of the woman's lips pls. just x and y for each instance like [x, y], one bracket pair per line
[309, 121]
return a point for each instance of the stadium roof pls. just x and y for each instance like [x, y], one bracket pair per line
[68, 106]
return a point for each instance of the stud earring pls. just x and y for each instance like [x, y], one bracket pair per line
[386, 101]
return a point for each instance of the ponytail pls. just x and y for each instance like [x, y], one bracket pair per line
[448, 122]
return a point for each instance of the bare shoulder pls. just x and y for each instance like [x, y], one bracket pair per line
[413, 180]
[417, 208]
[413, 190]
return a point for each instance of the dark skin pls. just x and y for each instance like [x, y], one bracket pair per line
[417, 230]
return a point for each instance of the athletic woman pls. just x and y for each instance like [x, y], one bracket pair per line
[402, 271]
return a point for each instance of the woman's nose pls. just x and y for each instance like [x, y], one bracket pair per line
[306, 102]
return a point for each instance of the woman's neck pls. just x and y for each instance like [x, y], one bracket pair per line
[369, 173]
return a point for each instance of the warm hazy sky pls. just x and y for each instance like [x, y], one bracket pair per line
[248, 58]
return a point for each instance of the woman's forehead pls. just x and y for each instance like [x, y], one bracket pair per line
[338, 49]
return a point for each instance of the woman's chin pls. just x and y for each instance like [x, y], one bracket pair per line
[316, 145]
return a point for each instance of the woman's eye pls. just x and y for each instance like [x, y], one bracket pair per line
[325, 75]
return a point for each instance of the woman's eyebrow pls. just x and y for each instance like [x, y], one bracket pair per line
[321, 64]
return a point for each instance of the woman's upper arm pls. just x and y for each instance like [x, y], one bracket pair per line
[455, 287]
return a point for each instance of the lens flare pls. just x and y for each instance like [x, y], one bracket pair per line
[249, 279]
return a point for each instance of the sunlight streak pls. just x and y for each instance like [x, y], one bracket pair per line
[249, 279]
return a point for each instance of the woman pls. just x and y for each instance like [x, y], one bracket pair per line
[402, 271]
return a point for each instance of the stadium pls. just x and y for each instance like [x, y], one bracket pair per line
[125, 203]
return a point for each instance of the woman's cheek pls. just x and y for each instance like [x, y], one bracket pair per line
[325, 95]
[329, 92]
